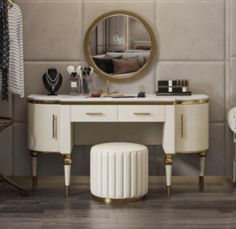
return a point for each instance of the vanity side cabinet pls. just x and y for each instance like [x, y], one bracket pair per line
[192, 128]
[43, 127]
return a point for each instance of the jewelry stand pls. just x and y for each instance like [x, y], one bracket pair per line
[5, 122]
[52, 80]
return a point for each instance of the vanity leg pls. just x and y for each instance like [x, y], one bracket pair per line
[67, 170]
[168, 165]
[34, 156]
[202, 169]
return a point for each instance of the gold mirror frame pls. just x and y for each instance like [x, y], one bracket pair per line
[142, 70]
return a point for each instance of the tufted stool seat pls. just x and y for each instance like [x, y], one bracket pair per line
[119, 170]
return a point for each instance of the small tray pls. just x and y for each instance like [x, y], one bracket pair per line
[123, 96]
[174, 93]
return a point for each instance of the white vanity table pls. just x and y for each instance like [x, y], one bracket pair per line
[51, 118]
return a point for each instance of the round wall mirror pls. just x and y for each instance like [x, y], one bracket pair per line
[120, 45]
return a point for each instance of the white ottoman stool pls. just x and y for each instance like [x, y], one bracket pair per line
[119, 171]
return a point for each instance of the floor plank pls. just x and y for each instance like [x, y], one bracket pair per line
[48, 208]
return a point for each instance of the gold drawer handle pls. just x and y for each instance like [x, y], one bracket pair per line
[54, 126]
[94, 113]
[142, 113]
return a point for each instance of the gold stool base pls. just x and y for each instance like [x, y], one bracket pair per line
[115, 201]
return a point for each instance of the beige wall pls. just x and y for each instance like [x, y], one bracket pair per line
[196, 41]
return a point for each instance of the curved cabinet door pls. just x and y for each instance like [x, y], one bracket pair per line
[43, 127]
[192, 128]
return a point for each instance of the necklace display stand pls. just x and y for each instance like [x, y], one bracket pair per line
[52, 81]
[5, 122]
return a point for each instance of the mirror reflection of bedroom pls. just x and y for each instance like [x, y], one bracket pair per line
[120, 45]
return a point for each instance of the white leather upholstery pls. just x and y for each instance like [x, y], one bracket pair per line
[119, 170]
[231, 117]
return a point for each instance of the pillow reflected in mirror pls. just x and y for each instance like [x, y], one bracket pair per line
[105, 63]
[126, 65]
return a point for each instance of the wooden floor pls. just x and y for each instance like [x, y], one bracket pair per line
[187, 208]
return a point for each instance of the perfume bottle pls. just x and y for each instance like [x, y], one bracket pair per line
[74, 84]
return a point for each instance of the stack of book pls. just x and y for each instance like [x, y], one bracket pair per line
[173, 87]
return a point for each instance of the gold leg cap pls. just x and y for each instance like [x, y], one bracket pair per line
[34, 183]
[201, 183]
[201, 180]
[234, 183]
[168, 191]
[67, 191]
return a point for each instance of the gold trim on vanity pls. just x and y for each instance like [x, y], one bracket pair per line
[179, 102]
[34, 101]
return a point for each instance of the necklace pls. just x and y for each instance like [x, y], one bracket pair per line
[52, 82]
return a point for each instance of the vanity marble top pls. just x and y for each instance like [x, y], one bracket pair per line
[85, 99]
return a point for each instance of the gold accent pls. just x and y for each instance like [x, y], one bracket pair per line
[112, 95]
[94, 113]
[108, 87]
[142, 113]
[54, 126]
[142, 70]
[67, 190]
[168, 159]
[34, 183]
[34, 154]
[203, 154]
[10, 3]
[168, 190]
[179, 102]
[115, 201]
[234, 182]
[192, 102]
[182, 126]
[201, 180]
[67, 159]
[107, 90]
[35, 101]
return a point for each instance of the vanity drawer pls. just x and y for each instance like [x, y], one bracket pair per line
[141, 113]
[94, 113]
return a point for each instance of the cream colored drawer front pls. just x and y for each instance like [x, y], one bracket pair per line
[94, 113]
[141, 113]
